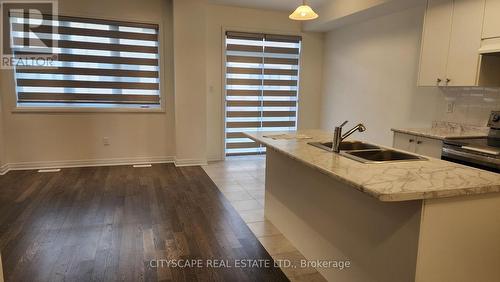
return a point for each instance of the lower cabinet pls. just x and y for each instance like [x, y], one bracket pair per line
[417, 144]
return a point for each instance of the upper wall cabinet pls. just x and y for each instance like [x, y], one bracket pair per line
[450, 42]
[435, 42]
[491, 19]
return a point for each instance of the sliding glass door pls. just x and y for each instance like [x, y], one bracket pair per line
[262, 83]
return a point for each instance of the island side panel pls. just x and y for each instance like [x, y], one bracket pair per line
[460, 239]
[328, 220]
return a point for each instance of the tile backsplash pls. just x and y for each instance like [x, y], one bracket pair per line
[472, 105]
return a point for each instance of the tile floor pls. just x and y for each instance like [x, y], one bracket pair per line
[241, 180]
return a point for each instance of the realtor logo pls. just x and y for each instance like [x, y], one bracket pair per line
[28, 34]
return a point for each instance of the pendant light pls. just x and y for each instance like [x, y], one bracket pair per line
[303, 13]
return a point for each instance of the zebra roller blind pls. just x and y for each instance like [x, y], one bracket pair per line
[97, 61]
[262, 83]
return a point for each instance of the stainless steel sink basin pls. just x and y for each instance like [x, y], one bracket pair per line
[345, 146]
[368, 153]
[381, 156]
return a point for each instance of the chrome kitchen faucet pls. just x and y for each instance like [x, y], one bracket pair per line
[338, 137]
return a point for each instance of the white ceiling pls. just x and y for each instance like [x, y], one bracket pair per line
[279, 5]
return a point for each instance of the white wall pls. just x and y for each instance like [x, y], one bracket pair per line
[54, 137]
[311, 78]
[190, 81]
[370, 75]
[245, 19]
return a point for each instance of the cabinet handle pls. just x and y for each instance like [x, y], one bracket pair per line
[438, 80]
[448, 80]
[419, 142]
[411, 140]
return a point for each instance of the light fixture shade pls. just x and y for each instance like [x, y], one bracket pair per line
[303, 13]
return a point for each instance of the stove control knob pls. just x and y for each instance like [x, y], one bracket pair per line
[496, 118]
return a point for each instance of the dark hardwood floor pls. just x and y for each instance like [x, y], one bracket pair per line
[107, 223]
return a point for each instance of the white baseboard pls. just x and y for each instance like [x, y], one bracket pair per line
[190, 162]
[4, 169]
[99, 162]
[83, 163]
[215, 159]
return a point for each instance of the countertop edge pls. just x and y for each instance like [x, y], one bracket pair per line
[437, 137]
[443, 194]
[415, 133]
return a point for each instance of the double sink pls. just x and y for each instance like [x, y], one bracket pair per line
[368, 153]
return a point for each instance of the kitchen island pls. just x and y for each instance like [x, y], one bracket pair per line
[425, 220]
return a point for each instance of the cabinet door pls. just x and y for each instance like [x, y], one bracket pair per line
[429, 147]
[435, 42]
[491, 19]
[463, 57]
[404, 142]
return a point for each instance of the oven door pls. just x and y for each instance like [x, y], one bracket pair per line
[482, 161]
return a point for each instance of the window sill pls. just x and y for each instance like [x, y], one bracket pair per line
[37, 109]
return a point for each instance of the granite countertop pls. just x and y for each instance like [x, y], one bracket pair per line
[388, 182]
[446, 130]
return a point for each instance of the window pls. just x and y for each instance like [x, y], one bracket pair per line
[99, 63]
[262, 82]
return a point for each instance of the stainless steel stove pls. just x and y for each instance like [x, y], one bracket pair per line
[483, 153]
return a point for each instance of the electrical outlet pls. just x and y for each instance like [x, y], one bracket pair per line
[105, 141]
[450, 107]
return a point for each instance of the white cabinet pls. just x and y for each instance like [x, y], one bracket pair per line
[465, 41]
[435, 42]
[429, 147]
[491, 26]
[404, 142]
[417, 144]
[451, 39]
